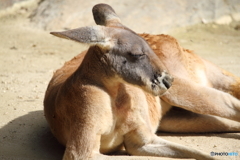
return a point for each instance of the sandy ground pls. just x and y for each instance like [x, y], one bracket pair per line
[29, 56]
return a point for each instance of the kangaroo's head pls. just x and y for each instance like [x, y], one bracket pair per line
[126, 54]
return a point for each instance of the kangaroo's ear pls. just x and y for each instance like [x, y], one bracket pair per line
[105, 15]
[93, 35]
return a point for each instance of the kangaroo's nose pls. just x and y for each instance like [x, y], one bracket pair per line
[167, 83]
[166, 79]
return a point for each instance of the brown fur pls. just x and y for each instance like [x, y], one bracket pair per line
[92, 107]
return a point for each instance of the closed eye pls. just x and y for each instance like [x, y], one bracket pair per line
[135, 55]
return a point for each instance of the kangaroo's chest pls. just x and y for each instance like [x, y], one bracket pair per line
[131, 108]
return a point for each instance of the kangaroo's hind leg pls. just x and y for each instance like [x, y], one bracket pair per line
[222, 80]
[183, 121]
[140, 142]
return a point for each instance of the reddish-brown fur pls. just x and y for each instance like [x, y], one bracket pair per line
[91, 111]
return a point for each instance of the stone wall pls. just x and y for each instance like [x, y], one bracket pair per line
[152, 16]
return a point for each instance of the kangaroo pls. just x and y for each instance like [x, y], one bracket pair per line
[117, 92]
[203, 97]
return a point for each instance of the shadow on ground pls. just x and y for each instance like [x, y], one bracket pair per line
[29, 137]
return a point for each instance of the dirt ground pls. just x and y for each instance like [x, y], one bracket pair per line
[28, 57]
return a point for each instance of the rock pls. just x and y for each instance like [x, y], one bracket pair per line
[224, 20]
[236, 16]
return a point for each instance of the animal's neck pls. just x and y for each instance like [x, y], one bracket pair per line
[95, 70]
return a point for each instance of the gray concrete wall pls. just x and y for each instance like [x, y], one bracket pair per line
[152, 16]
[8, 3]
